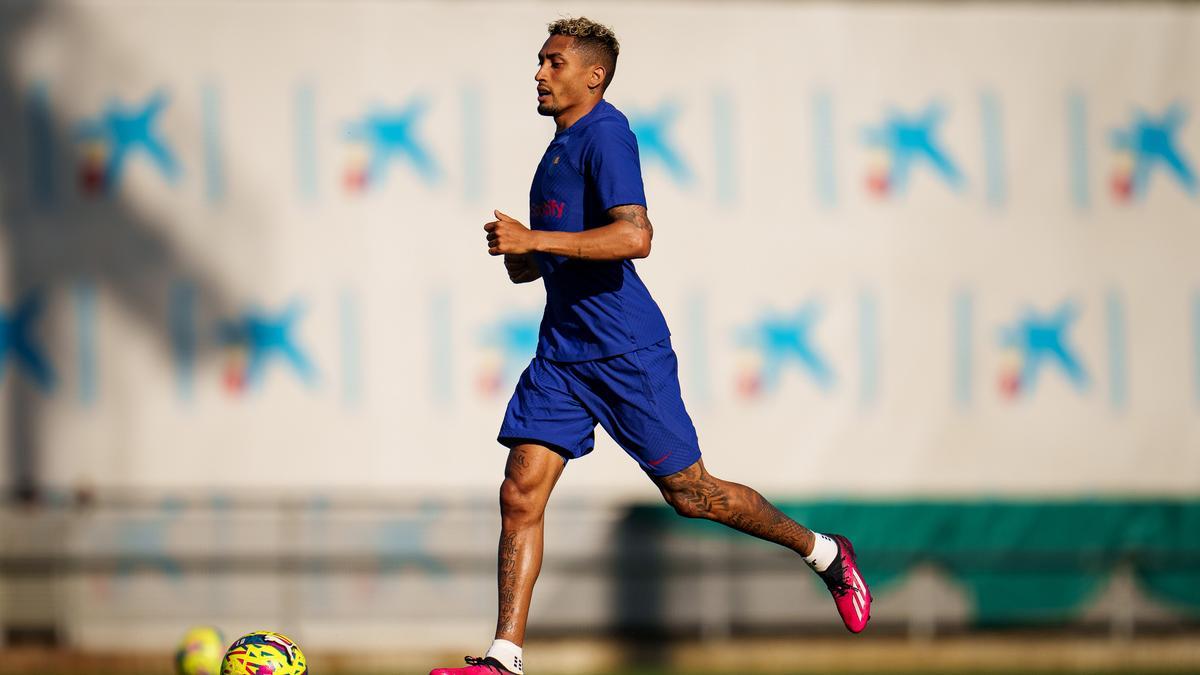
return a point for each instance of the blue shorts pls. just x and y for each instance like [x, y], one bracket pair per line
[634, 396]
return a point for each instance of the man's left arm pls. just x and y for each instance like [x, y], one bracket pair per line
[627, 237]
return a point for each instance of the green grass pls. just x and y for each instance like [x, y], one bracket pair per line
[665, 671]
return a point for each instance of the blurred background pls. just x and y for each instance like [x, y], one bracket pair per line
[931, 270]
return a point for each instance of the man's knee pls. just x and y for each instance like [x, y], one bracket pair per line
[520, 502]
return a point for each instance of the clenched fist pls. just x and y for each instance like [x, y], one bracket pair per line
[507, 236]
[521, 268]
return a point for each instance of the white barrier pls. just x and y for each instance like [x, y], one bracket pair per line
[922, 249]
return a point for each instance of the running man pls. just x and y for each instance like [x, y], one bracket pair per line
[604, 351]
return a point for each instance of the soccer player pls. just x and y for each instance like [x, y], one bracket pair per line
[604, 351]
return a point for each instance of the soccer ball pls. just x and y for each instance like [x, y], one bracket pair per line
[264, 653]
[200, 651]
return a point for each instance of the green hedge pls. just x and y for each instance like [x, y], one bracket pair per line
[1019, 561]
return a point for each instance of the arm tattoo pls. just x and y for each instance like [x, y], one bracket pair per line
[633, 213]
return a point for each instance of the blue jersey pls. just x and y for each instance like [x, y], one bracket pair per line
[594, 309]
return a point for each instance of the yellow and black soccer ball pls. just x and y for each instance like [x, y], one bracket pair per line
[199, 652]
[264, 653]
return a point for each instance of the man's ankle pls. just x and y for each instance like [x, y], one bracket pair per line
[508, 654]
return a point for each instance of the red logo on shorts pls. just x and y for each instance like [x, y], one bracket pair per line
[660, 460]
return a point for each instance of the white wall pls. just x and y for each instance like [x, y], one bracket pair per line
[773, 104]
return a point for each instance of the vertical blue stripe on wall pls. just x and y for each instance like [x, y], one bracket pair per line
[306, 142]
[182, 311]
[1196, 340]
[724, 147]
[214, 171]
[963, 311]
[217, 593]
[823, 151]
[441, 364]
[85, 317]
[1078, 148]
[698, 359]
[348, 314]
[868, 348]
[993, 149]
[473, 159]
[1117, 350]
[41, 146]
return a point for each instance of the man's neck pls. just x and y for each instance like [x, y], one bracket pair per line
[570, 116]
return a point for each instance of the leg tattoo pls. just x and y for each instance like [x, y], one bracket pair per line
[529, 478]
[697, 494]
[506, 623]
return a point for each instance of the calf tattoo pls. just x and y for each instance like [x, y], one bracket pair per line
[696, 493]
[507, 577]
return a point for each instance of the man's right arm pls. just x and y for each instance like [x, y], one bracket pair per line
[521, 268]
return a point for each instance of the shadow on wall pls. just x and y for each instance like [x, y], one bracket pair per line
[58, 242]
[640, 602]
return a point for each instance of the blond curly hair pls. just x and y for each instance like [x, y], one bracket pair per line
[595, 40]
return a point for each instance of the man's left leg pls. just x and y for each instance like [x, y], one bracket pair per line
[637, 399]
[695, 493]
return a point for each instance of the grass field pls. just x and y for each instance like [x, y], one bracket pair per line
[671, 671]
[999, 655]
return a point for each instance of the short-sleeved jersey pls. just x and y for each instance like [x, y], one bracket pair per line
[594, 309]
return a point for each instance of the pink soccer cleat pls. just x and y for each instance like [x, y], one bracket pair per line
[850, 592]
[475, 666]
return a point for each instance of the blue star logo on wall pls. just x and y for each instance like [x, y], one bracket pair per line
[1149, 142]
[402, 543]
[112, 137]
[652, 129]
[143, 542]
[382, 136]
[779, 340]
[140, 543]
[256, 338]
[1034, 341]
[901, 140]
[18, 345]
[509, 343]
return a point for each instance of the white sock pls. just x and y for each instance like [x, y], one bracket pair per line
[508, 654]
[825, 549]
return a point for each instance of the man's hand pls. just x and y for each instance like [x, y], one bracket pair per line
[521, 268]
[507, 236]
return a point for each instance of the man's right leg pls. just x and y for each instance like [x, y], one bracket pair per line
[529, 478]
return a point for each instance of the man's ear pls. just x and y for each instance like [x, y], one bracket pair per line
[596, 80]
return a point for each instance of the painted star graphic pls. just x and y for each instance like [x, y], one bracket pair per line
[267, 336]
[1042, 339]
[392, 135]
[781, 339]
[907, 139]
[652, 129]
[516, 337]
[1151, 142]
[17, 342]
[126, 129]
[143, 542]
[401, 542]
